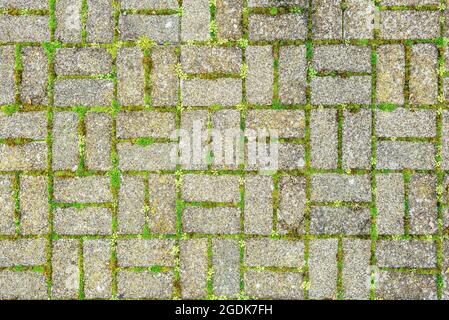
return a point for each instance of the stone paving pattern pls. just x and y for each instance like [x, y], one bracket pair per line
[91, 207]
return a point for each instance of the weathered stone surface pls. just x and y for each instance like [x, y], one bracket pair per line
[145, 253]
[340, 220]
[220, 220]
[356, 142]
[223, 91]
[404, 154]
[7, 85]
[406, 286]
[269, 28]
[274, 253]
[195, 20]
[292, 74]
[193, 265]
[323, 268]
[338, 90]
[34, 76]
[406, 253]
[259, 81]
[131, 77]
[199, 187]
[334, 187]
[406, 123]
[390, 203]
[342, 58]
[84, 92]
[323, 136]
[82, 61]
[390, 74]
[409, 24]
[164, 80]
[423, 74]
[226, 264]
[159, 28]
[24, 28]
[86, 221]
[274, 285]
[229, 19]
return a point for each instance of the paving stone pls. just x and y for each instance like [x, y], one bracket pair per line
[164, 80]
[206, 59]
[141, 124]
[130, 76]
[399, 155]
[98, 141]
[162, 201]
[156, 156]
[145, 284]
[199, 187]
[223, 91]
[287, 123]
[274, 253]
[149, 4]
[340, 220]
[65, 269]
[100, 21]
[339, 90]
[145, 253]
[406, 286]
[342, 58]
[24, 4]
[356, 142]
[24, 28]
[131, 214]
[258, 205]
[34, 205]
[195, 20]
[86, 221]
[323, 268]
[276, 3]
[292, 203]
[79, 189]
[390, 74]
[194, 124]
[24, 252]
[219, 220]
[82, 61]
[83, 92]
[227, 141]
[405, 123]
[30, 156]
[291, 156]
[97, 273]
[390, 203]
[22, 285]
[359, 17]
[323, 138]
[194, 265]
[7, 226]
[409, 2]
[31, 125]
[159, 28]
[65, 150]
[445, 141]
[406, 253]
[445, 273]
[356, 273]
[423, 74]
[68, 20]
[329, 187]
[274, 285]
[409, 24]
[260, 77]
[228, 18]
[226, 264]
[292, 26]
[423, 204]
[34, 76]
[292, 74]
[7, 84]
[327, 19]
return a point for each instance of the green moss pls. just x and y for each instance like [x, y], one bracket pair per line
[10, 109]
[387, 107]
[145, 43]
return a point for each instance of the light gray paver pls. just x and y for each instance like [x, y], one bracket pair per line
[409, 24]
[22, 285]
[34, 76]
[198, 187]
[259, 81]
[342, 58]
[193, 268]
[79, 189]
[229, 19]
[423, 74]
[220, 220]
[406, 253]
[65, 269]
[84, 92]
[323, 268]
[406, 123]
[406, 286]
[65, 141]
[145, 253]
[356, 142]
[274, 253]
[269, 28]
[159, 28]
[292, 202]
[405, 154]
[131, 214]
[223, 91]
[97, 276]
[390, 203]
[86, 221]
[274, 285]
[340, 220]
[7, 226]
[338, 90]
[7, 85]
[258, 205]
[100, 21]
[82, 61]
[195, 20]
[146, 284]
[162, 201]
[30, 156]
[356, 269]
[32, 125]
[34, 205]
[25, 252]
[98, 141]
[423, 204]
[292, 74]
[323, 136]
[338, 187]
[226, 264]
[131, 77]
[390, 74]
[164, 80]
[24, 28]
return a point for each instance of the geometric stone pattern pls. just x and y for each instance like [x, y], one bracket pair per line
[92, 208]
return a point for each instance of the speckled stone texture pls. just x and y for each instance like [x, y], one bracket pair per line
[224, 149]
